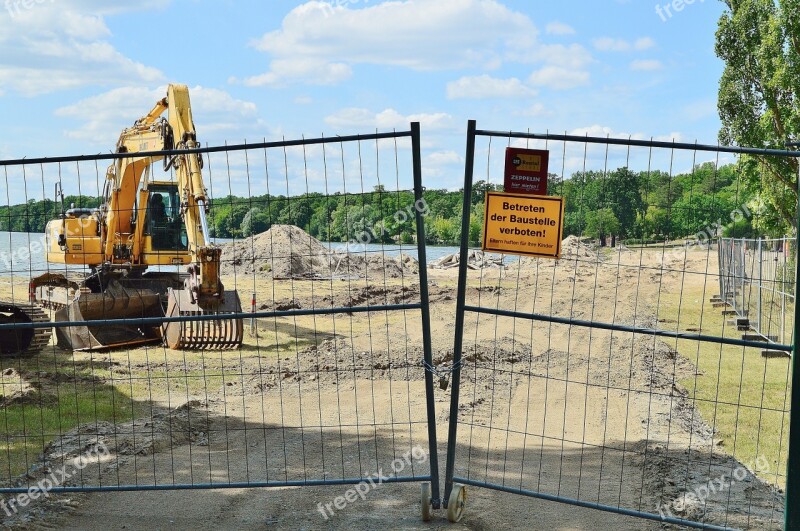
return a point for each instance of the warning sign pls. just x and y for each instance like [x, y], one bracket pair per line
[526, 171]
[523, 224]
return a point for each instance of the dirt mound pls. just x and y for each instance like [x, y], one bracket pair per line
[144, 436]
[284, 251]
[14, 389]
[373, 265]
[681, 480]
[572, 245]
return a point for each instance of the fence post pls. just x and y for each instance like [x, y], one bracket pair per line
[458, 343]
[427, 348]
[792, 520]
[760, 250]
[783, 288]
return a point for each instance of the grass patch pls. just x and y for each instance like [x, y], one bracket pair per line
[29, 426]
[742, 395]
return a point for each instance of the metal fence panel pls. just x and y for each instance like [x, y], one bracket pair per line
[329, 386]
[756, 279]
[610, 378]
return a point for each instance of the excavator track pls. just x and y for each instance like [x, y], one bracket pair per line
[23, 342]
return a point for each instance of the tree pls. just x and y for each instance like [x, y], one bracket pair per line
[254, 222]
[444, 230]
[602, 223]
[759, 93]
[655, 223]
[476, 224]
[622, 193]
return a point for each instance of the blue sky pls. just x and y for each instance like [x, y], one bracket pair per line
[73, 73]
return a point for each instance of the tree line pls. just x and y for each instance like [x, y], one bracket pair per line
[624, 204]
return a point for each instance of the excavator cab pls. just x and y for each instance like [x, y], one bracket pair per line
[163, 224]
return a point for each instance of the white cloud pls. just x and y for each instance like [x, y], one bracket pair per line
[355, 117]
[646, 65]
[53, 46]
[105, 115]
[485, 87]
[537, 110]
[607, 132]
[321, 43]
[597, 131]
[312, 71]
[610, 44]
[559, 28]
[573, 56]
[672, 137]
[442, 158]
[558, 78]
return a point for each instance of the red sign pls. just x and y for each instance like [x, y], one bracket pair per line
[526, 171]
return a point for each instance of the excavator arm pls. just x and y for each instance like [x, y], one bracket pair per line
[123, 242]
[205, 269]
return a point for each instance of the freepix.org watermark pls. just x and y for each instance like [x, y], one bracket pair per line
[376, 233]
[360, 490]
[706, 235]
[16, 7]
[700, 493]
[666, 11]
[56, 478]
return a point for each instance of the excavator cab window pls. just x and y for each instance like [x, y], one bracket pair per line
[164, 223]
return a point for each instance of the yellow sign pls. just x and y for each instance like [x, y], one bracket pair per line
[529, 225]
[528, 162]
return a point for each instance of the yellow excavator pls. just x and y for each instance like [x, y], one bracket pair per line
[143, 223]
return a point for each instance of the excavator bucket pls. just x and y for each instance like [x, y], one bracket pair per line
[222, 333]
[115, 302]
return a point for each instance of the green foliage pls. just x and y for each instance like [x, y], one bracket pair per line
[647, 205]
[602, 223]
[34, 215]
[254, 222]
[740, 229]
[759, 95]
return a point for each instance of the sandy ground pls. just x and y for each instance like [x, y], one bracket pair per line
[567, 411]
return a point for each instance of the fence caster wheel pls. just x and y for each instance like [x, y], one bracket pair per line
[427, 510]
[456, 503]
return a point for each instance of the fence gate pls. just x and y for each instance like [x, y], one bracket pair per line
[329, 386]
[612, 378]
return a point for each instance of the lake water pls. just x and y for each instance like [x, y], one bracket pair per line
[23, 253]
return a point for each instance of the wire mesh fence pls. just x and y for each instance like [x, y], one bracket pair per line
[322, 241]
[608, 378]
[757, 281]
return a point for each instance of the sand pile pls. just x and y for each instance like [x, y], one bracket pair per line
[373, 265]
[286, 251]
[572, 245]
